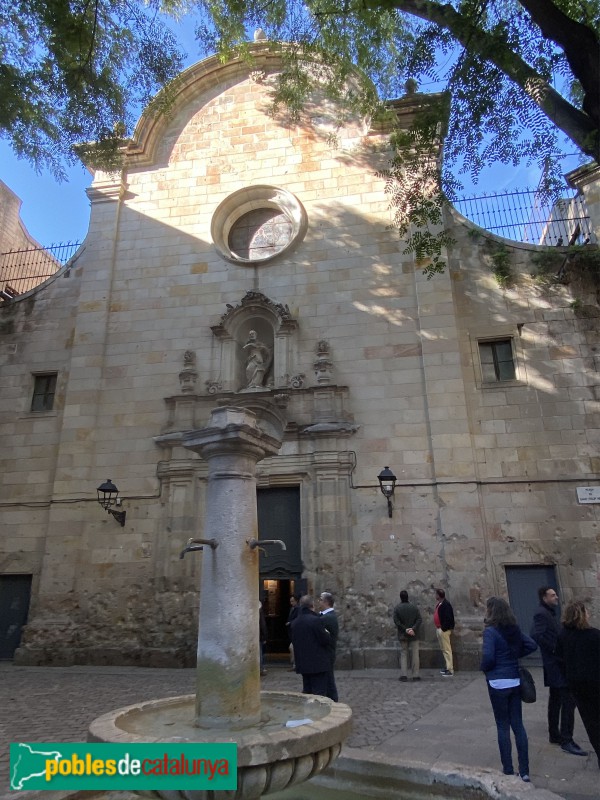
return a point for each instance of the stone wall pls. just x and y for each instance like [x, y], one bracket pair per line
[20, 271]
[13, 235]
[486, 474]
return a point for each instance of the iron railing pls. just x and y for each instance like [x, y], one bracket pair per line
[526, 216]
[21, 270]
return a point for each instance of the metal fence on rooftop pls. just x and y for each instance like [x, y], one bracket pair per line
[526, 216]
[22, 270]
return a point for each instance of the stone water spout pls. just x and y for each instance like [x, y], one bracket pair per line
[252, 543]
[198, 544]
[228, 704]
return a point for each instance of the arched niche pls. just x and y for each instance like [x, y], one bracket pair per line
[259, 320]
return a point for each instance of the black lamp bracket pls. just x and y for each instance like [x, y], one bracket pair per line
[118, 515]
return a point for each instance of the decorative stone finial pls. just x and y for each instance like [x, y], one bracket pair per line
[323, 364]
[259, 35]
[188, 375]
[411, 86]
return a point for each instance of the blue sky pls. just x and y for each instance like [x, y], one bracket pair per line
[52, 212]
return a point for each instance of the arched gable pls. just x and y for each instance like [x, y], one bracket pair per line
[192, 83]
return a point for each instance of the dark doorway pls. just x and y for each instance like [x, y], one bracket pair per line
[275, 596]
[280, 570]
[279, 518]
[523, 583]
[15, 595]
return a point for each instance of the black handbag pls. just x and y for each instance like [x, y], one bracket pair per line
[528, 694]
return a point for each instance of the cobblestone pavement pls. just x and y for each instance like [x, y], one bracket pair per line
[381, 707]
[435, 720]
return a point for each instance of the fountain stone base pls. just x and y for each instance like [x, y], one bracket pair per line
[271, 756]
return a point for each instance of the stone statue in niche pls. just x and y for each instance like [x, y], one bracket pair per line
[258, 361]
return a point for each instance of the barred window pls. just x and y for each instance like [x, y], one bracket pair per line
[44, 389]
[497, 360]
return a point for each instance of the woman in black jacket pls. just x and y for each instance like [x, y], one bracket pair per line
[579, 650]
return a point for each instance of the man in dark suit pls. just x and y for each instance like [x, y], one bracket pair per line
[407, 619]
[311, 648]
[331, 624]
[561, 703]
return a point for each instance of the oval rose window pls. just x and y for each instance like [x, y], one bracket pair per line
[257, 223]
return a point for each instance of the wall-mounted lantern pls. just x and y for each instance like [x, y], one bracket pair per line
[387, 483]
[108, 496]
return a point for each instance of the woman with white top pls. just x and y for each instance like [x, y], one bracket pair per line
[503, 644]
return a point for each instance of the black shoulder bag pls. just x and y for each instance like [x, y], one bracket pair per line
[528, 694]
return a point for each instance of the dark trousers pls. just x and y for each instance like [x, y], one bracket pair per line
[332, 691]
[263, 647]
[587, 698]
[506, 705]
[561, 714]
[315, 683]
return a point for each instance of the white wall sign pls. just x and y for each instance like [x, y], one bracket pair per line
[588, 494]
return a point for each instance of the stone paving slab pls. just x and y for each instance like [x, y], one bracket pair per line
[461, 730]
[436, 721]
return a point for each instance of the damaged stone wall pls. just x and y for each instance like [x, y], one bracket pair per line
[137, 626]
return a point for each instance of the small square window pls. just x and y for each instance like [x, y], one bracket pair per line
[44, 389]
[497, 361]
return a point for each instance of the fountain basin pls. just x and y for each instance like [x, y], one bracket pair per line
[271, 756]
[356, 776]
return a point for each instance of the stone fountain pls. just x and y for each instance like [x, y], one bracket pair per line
[228, 705]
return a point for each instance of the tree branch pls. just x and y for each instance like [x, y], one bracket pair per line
[577, 124]
[578, 42]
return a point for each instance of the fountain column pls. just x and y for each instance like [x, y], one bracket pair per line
[228, 671]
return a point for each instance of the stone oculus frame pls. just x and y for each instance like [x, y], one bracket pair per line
[253, 198]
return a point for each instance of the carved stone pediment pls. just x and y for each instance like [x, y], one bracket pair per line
[254, 302]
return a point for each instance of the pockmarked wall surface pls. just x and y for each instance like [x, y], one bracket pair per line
[243, 259]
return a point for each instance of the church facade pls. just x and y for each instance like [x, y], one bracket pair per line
[243, 260]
